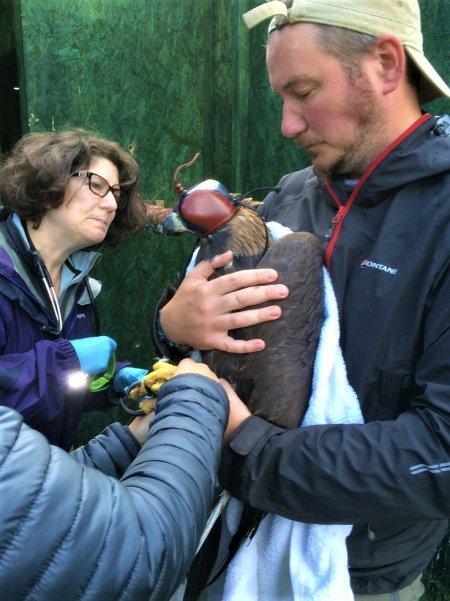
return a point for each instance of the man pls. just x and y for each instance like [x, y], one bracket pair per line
[352, 77]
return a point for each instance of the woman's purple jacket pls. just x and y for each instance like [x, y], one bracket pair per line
[34, 362]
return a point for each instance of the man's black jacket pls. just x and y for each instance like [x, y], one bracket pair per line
[389, 259]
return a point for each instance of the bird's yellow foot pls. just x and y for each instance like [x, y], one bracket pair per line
[148, 387]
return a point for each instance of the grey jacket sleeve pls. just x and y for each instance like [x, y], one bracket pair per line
[70, 532]
[111, 452]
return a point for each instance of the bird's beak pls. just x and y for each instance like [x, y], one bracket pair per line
[173, 226]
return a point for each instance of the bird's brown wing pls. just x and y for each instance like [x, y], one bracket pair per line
[276, 382]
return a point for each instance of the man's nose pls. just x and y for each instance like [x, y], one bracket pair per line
[292, 121]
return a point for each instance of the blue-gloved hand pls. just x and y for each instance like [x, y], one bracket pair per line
[127, 376]
[94, 353]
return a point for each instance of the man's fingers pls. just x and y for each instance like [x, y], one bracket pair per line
[255, 295]
[230, 345]
[244, 319]
[222, 260]
[203, 311]
[205, 269]
[251, 317]
[244, 288]
[245, 278]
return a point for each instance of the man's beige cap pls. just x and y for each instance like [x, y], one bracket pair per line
[373, 17]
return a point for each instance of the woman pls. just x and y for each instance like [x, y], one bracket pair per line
[63, 192]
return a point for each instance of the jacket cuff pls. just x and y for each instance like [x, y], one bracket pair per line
[237, 456]
[249, 434]
[164, 346]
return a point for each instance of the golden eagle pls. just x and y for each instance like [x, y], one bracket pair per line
[276, 382]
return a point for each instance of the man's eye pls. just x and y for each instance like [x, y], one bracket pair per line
[303, 94]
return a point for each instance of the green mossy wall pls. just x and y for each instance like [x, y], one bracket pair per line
[130, 69]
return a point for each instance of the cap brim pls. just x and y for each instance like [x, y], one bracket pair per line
[432, 86]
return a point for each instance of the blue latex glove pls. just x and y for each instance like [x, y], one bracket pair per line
[127, 376]
[94, 353]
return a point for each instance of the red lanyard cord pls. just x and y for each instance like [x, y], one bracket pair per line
[343, 210]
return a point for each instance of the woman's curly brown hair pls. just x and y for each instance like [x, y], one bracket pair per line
[34, 177]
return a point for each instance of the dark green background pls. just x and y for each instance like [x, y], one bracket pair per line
[165, 80]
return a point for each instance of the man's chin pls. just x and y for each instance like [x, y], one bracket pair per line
[330, 167]
[323, 167]
[325, 164]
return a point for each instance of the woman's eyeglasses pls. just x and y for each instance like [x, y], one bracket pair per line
[99, 186]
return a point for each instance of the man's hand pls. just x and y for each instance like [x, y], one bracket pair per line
[188, 366]
[203, 311]
[238, 410]
[139, 427]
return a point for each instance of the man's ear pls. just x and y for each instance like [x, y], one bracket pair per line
[392, 61]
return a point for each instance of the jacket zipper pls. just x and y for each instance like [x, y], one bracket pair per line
[336, 219]
[336, 222]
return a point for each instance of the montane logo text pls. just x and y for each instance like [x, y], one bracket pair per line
[366, 264]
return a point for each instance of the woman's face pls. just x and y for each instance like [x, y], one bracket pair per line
[83, 218]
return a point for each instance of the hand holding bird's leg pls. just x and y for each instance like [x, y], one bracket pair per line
[161, 372]
[148, 387]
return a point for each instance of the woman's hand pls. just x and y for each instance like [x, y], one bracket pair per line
[203, 311]
[238, 410]
[140, 425]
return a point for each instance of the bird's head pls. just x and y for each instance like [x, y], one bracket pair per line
[206, 207]
[222, 220]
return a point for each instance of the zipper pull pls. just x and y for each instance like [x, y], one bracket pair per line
[338, 216]
[336, 219]
[370, 533]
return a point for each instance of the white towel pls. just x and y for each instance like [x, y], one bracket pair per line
[288, 560]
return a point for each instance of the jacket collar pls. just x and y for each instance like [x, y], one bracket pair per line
[421, 151]
[18, 259]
